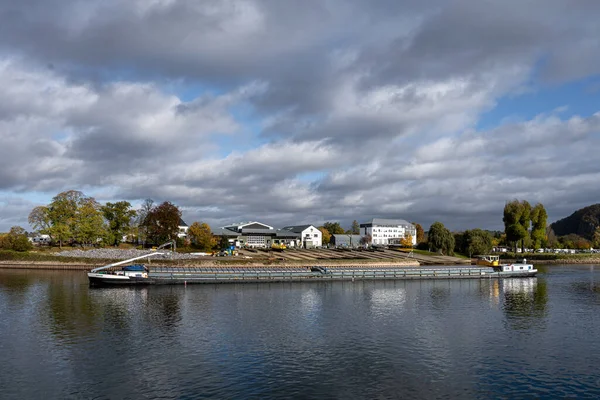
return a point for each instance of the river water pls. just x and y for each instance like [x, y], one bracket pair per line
[513, 338]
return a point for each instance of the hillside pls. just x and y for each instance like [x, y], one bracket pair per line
[582, 222]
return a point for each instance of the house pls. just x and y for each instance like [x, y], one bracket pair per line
[388, 231]
[183, 228]
[309, 236]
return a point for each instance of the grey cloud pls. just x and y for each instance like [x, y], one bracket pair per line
[376, 101]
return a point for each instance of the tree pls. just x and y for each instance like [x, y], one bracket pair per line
[39, 219]
[119, 216]
[440, 239]
[365, 240]
[355, 230]
[162, 223]
[596, 238]
[88, 224]
[476, 241]
[516, 221]
[420, 233]
[552, 241]
[201, 236]
[333, 228]
[326, 236]
[16, 239]
[406, 241]
[539, 219]
[145, 209]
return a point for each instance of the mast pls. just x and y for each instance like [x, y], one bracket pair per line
[126, 261]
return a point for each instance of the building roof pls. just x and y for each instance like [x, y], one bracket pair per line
[242, 224]
[384, 221]
[287, 234]
[182, 222]
[224, 232]
[297, 228]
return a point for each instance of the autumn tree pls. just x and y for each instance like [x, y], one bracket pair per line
[539, 219]
[119, 217]
[334, 228]
[326, 236]
[201, 236]
[420, 233]
[516, 221]
[440, 239]
[355, 230]
[406, 241]
[162, 223]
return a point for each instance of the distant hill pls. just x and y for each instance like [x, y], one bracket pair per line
[582, 222]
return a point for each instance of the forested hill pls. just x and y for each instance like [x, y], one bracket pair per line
[582, 222]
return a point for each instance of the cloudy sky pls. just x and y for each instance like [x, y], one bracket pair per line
[302, 111]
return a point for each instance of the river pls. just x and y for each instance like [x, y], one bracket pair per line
[512, 338]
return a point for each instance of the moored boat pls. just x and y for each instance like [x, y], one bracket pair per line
[519, 269]
[488, 260]
[134, 274]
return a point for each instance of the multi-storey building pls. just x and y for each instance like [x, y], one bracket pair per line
[388, 231]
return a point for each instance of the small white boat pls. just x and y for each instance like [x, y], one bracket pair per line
[135, 274]
[518, 269]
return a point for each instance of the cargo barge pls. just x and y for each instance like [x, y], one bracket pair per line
[139, 274]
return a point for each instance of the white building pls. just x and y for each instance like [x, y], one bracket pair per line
[310, 236]
[388, 231]
[183, 228]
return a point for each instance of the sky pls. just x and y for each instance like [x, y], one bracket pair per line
[302, 111]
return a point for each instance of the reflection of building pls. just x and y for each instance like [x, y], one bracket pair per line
[388, 231]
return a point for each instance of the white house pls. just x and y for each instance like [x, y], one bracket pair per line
[310, 236]
[388, 231]
[183, 228]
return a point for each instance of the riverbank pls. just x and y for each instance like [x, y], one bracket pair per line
[212, 263]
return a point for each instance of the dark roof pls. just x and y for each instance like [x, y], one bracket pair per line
[287, 234]
[224, 232]
[296, 228]
[384, 221]
[182, 222]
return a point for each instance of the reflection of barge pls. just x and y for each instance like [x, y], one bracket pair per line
[141, 275]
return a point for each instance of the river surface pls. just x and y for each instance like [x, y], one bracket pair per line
[513, 338]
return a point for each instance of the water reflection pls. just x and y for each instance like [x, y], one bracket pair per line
[525, 301]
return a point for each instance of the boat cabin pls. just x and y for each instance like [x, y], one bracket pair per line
[515, 267]
[136, 270]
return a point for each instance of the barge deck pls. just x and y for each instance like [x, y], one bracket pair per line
[191, 275]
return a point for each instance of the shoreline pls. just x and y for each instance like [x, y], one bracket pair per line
[52, 265]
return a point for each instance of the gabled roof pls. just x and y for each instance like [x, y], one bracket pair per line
[241, 225]
[182, 222]
[297, 228]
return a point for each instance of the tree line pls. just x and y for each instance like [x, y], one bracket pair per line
[74, 218]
